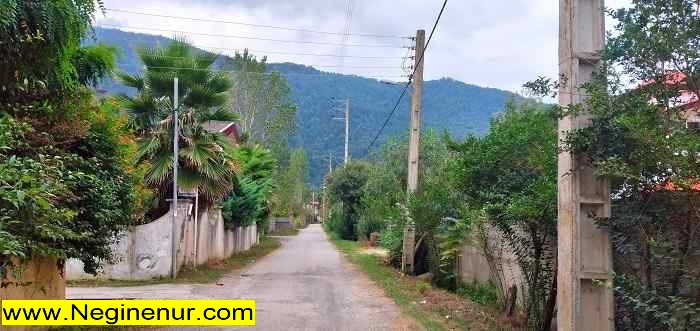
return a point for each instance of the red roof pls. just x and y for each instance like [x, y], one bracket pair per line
[670, 186]
[687, 99]
[228, 128]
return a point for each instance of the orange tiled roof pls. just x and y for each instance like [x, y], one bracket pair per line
[671, 186]
[687, 99]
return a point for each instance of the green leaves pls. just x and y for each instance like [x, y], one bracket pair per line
[93, 63]
[508, 180]
[262, 99]
[65, 181]
[204, 157]
[39, 40]
[291, 178]
[657, 34]
[249, 201]
[638, 139]
[346, 187]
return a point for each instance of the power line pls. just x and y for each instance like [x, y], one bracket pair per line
[302, 54]
[346, 31]
[264, 52]
[246, 37]
[410, 78]
[263, 73]
[304, 64]
[251, 24]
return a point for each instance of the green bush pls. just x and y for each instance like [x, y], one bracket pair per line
[391, 238]
[341, 225]
[346, 189]
[64, 202]
[366, 225]
[335, 223]
[249, 203]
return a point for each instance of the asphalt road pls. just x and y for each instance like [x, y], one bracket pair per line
[304, 285]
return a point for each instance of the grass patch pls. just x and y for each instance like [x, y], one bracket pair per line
[284, 232]
[481, 293]
[433, 308]
[202, 275]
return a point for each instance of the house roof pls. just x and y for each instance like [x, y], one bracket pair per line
[671, 186]
[228, 128]
[217, 126]
[686, 99]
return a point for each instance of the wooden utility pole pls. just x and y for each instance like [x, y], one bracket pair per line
[584, 258]
[409, 234]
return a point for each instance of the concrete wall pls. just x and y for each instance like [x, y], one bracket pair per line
[144, 252]
[280, 223]
[501, 267]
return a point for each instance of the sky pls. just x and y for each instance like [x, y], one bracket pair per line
[496, 43]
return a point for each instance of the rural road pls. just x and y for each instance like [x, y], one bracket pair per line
[304, 285]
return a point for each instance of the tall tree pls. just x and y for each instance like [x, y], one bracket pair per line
[289, 197]
[40, 39]
[261, 98]
[250, 201]
[65, 168]
[205, 161]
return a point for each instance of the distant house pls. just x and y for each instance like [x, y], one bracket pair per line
[688, 100]
[228, 128]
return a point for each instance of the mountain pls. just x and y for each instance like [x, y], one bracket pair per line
[448, 104]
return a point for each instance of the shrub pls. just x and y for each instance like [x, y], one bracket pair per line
[346, 188]
[367, 225]
[391, 238]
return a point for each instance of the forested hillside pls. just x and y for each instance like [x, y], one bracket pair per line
[448, 104]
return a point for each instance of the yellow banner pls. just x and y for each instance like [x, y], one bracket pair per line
[128, 312]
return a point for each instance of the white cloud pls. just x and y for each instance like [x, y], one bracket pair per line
[498, 43]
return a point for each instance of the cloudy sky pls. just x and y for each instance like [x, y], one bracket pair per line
[496, 43]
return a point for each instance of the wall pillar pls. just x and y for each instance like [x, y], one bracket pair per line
[584, 298]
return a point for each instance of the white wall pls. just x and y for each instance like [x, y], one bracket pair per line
[144, 252]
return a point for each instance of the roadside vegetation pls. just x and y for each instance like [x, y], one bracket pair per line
[433, 308]
[497, 192]
[75, 170]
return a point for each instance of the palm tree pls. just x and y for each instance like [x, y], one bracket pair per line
[205, 158]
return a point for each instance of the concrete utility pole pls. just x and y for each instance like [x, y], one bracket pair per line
[176, 139]
[330, 162]
[416, 107]
[347, 131]
[346, 119]
[409, 235]
[584, 251]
